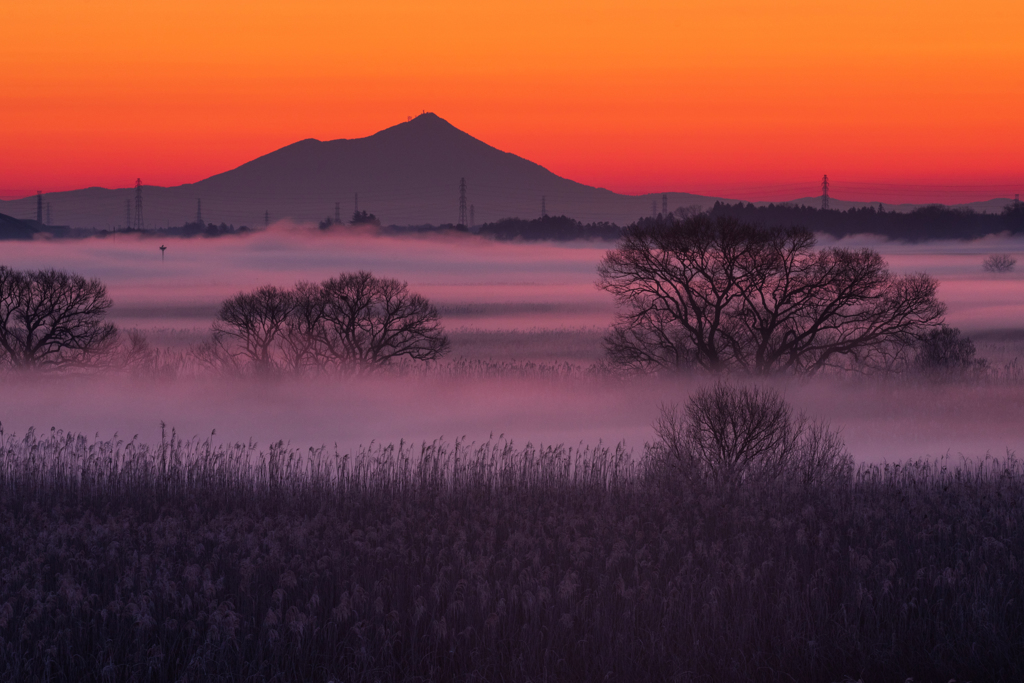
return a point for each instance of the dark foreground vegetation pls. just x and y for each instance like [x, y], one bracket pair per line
[189, 561]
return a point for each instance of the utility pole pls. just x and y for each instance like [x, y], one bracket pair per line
[824, 192]
[39, 207]
[543, 206]
[463, 220]
[664, 205]
[139, 224]
[199, 212]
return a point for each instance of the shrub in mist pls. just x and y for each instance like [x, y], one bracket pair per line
[999, 263]
[946, 350]
[730, 437]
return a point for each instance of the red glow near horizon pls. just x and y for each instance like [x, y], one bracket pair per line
[897, 102]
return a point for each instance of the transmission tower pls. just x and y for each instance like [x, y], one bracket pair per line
[824, 192]
[39, 207]
[199, 212]
[337, 212]
[139, 225]
[463, 220]
[543, 206]
[664, 205]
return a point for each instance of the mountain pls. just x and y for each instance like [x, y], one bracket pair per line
[406, 175]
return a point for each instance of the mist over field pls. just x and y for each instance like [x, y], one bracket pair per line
[501, 303]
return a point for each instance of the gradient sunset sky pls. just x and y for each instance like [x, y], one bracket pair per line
[896, 101]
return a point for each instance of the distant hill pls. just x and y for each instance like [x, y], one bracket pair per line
[405, 175]
[14, 229]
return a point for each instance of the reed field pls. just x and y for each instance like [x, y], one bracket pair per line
[192, 561]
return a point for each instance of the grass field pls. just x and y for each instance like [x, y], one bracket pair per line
[189, 561]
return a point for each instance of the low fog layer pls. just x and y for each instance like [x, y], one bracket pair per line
[500, 301]
[477, 282]
[879, 421]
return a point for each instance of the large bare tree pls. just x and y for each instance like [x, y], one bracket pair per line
[718, 294]
[249, 326]
[52, 319]
[369, 321]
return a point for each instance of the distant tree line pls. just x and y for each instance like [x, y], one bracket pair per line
[559, 228]
[925, 223]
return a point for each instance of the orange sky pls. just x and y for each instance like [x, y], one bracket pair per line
[908, 100]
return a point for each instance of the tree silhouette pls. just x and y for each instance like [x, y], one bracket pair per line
[249, 326]
[352, 323]
[52, 319]
[718, 294]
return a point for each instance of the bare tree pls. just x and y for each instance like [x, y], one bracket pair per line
[353, 322]
[368, 321]
[999, 263]
[52, 319]
[727, 437]
[300, 344]
[249, 326]
[718, 294]
[945, 350]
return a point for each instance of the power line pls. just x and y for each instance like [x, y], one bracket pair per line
[824, 192]
[139, 224]
[462, 203]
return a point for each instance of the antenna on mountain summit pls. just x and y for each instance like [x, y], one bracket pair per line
[462, 203]
[824, 192]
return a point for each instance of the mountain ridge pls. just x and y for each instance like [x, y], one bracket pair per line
[406, 174]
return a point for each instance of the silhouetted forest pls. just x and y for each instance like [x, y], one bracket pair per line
[549, 228]
[925, 223]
